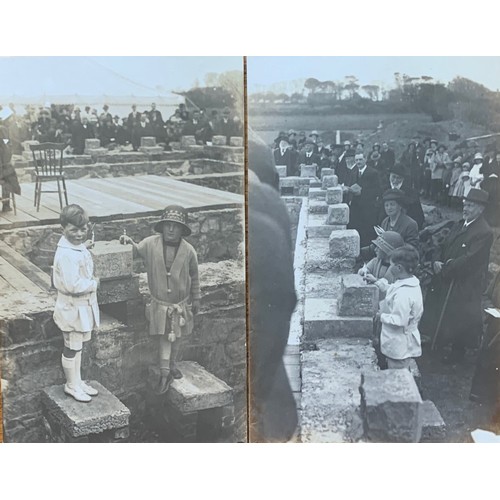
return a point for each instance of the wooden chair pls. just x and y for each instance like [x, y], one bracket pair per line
[48, 158]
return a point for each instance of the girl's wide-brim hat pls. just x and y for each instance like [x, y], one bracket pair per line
[174, 213]
[388, 241]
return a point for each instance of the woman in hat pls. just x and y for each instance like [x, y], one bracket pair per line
[437, 166]
[397, 220]
[172, 269]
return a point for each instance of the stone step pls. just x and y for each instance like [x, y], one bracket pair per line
[330, 389]
[71, 420]
[391, 407]
[318, 259]
[433, 425]
[322, 321]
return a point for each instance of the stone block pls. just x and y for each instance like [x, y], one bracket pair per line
[317, 193]
[236, 142]
[319, 260]
[281, 169]
[322, 321]
[294, 186]
[148, 142]
[338, 214]
[151, 150]
[27, 155]
[175, 145]
[219, 140]
[314, 182]
[187, 140]
[116, 290]
[97, 152]
[112, 260]
[344, 243]
[433, 425]
[391, 407]
[105, 412]
[357, 298]
[329, 181]
[334, 195]
[321, 230]
[318, 207]
[198, 389]
[327, 171]
[308, 171]
[92, 144]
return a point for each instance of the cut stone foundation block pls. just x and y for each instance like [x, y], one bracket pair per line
[281, 169]
[317, 194]
[433, 425]
[294, 186]
[323, 230]
[329, 181]
[334, 195]
[187, 140]
[112, 260]
[322, 321]
[358, 298]
[314, 182]
[326, 171]
[104, 419]
[391, 407]
[318, 207]
[338, 214]
[219, 140]
[308, 171]
[151, 150]
[118, 290]
[236, 142]
[92, 144]
[148, 142]
[344, 243]
[95, 153]
[319, 260]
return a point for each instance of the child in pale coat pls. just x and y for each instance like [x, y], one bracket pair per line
[401, 310]
[76, 312]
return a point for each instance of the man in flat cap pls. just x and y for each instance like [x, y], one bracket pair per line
[452, 310]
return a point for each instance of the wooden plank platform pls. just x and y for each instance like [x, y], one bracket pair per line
[117, 198]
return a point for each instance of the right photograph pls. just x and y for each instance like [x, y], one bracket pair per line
[373, 249]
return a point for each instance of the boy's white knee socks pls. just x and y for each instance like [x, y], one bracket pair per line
[78, 376]
[72, 387]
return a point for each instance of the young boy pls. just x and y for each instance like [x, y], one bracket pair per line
[172, 268]
[401, 310]
[76, 312]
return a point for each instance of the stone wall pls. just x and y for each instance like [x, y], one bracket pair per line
[216, 235]
[119, 355]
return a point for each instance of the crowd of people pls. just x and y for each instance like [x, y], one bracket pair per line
[383, 193]
[71, 125]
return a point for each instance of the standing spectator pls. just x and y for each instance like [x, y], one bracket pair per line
[226, 126]
[121, 136]
[79, 132]
[437, 166]
[491, 185]
[8, 176]
[287, 156]
[452, 310]
[409, 159]
[428, 162]
[387, 158]
[134, 125]
[364, 197]
[308, 156]
[301, 141]
[105, 115]
[342, 168]
[292, 138]
[476, 175]
[157, 123]
[183, 112]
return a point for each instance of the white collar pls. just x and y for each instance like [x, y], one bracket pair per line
[362, 170]
[64, 243]
[411, 281]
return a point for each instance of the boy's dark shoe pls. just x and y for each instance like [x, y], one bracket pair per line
[166, 380]
[6, 208]
[176, 373]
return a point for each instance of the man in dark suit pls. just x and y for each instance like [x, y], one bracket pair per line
[459, 281]
[157, 123]
[199, 128]
[133, 124]
[308, 157]
[342, 170]
[284, 154]
[79, 132]
[364, 194]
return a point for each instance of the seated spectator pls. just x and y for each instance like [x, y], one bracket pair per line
[201, 130]
[396, 219]
[8, 176]
[79, 132]
[226, 126]
[285, 155]
[183, 112]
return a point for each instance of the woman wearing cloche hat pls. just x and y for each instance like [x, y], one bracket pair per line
[172, 269]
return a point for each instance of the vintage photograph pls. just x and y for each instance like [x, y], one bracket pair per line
[122, 253]
[374, 252]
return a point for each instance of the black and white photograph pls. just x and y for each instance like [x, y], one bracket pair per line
[374, 252]
[122, 252]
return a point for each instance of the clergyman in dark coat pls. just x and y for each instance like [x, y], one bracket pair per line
[459, 281]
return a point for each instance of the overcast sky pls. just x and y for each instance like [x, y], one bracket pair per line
[267, 71]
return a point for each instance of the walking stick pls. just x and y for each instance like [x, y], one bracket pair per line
[442, 315]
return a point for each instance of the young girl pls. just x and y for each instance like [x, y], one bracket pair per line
[172, 268]
[76, 311]
[401, 310]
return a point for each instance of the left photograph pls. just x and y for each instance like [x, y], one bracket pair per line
[122, 259]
